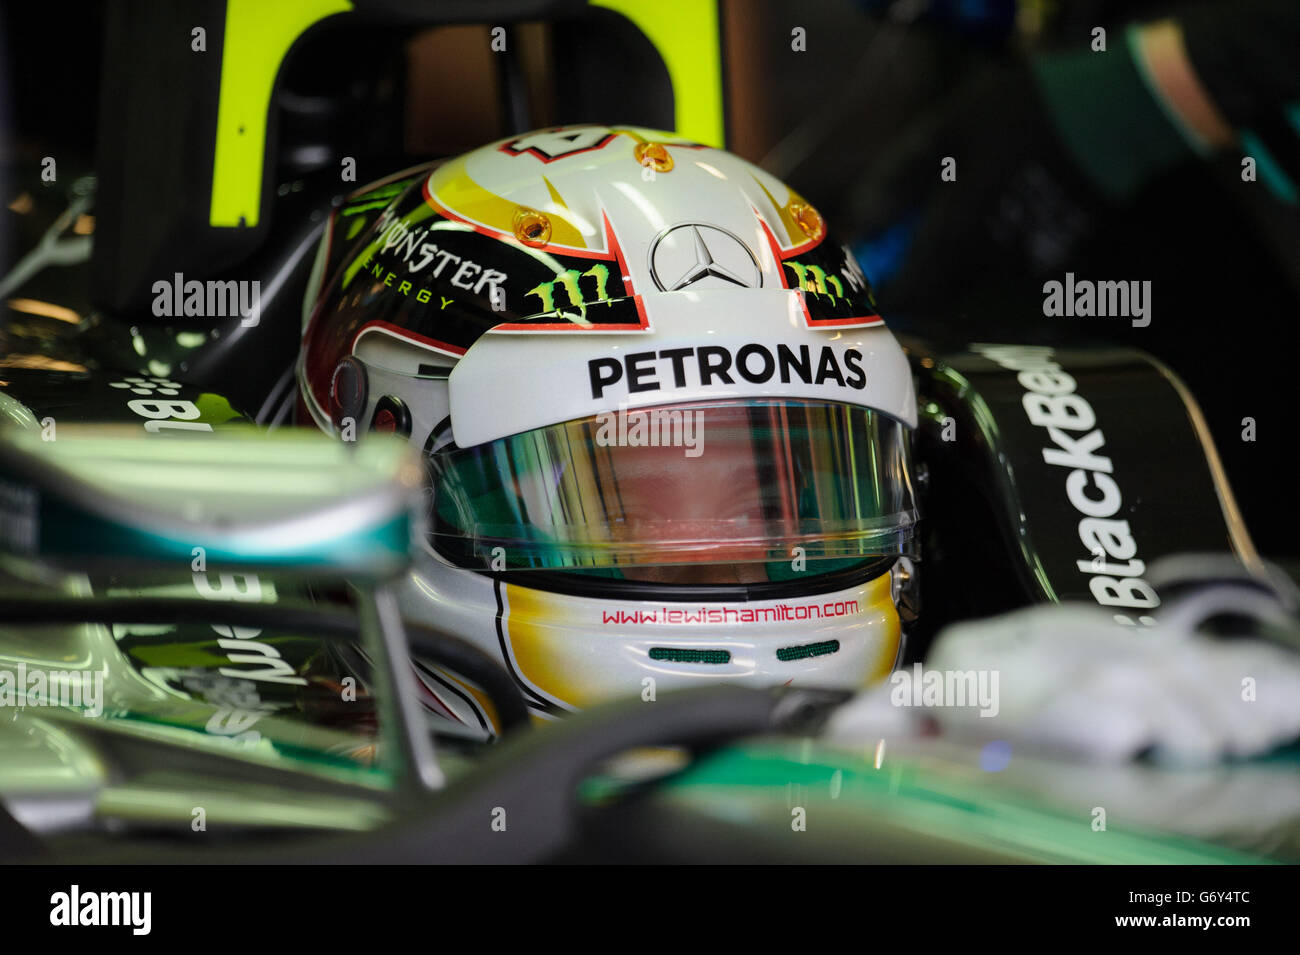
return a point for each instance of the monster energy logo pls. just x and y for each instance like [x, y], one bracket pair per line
[569, 282]
[814, 279]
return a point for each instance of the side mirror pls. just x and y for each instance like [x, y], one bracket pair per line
[290, 501]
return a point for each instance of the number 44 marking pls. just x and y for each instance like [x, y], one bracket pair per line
[558, 143]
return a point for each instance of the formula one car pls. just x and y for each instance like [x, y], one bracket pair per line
[189, 583]
[220, 624]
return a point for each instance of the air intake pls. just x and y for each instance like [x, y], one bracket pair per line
[786, 654]
[675, 655]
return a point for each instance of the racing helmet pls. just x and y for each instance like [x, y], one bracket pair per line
[667, 432]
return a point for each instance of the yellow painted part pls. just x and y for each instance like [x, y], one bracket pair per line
[880, 600]
[685, 32]
[793, 229]
[666, 137]
[258, 35]
[455, 191]
[484, 701]
[555, 195]
[537, 641]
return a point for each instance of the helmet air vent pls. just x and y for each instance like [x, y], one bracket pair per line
[687, 655]
[807, 650]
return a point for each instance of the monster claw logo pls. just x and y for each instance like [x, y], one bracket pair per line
[835, 292]
[814, 279]
[569, 282]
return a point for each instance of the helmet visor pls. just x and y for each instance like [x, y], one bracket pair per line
[737, 482]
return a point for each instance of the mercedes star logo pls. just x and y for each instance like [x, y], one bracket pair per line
[695, 255]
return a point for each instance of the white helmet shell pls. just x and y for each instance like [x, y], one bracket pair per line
[564, 273]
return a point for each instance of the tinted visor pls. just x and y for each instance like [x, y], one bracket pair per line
[756, 485]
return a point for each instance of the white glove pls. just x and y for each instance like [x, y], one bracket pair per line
[1067, 678]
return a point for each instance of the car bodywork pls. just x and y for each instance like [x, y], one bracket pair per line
[1018, 446]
